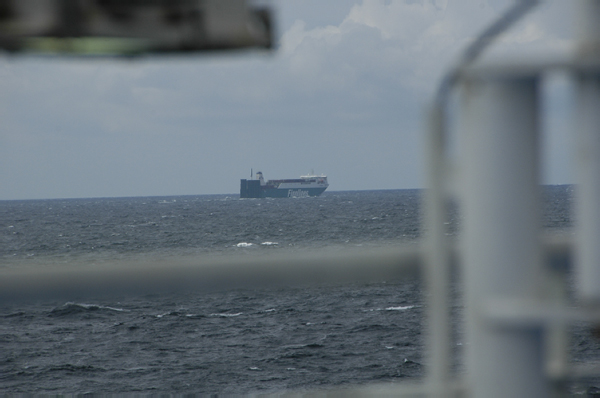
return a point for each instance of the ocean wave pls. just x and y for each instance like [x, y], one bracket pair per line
[170, 313]
[226, 315]
[301, 346]
[13, 314]
[401, 308]
[71, 308]
[194, 316]
[245, 244]
[70, 368]
[409, 363]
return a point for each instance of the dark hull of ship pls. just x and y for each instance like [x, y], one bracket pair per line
[253, 189]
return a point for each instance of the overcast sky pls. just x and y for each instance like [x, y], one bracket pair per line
[342, 94]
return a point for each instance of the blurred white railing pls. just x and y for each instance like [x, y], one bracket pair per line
[179, 274]
[517, 315]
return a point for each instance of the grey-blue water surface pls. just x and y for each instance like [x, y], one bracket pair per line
[241, 341]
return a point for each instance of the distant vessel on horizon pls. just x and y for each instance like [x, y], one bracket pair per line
[305, 186]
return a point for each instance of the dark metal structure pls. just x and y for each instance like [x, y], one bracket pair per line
[132, 27]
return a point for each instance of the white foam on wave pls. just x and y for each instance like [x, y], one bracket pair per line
[293, 346]
[227, 315]
[93, 307]
[194, 316]
[269, 243]
[401, 308]
[102, 307]
[244, 244]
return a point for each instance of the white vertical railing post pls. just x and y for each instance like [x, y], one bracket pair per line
[437, 264]
[588, 155]
[501, 250]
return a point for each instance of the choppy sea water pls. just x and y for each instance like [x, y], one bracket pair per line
[122, 227]
[246, 340]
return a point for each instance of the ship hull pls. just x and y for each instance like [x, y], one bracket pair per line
[292, 192]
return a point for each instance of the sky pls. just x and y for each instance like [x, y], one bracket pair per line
[343, 93]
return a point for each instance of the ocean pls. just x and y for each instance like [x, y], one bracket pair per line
[244, 340]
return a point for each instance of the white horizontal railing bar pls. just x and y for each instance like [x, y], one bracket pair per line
[453, 389]
[576, 371]
[519, 313]
[534, 66]
[230, 271]
[582, 371]
[197, 273]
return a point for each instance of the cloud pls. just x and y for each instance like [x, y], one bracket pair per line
[343, 94]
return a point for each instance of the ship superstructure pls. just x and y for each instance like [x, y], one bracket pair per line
[305, 186]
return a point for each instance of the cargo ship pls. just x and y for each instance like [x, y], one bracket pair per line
[305, 186]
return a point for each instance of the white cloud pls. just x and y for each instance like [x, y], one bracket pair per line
[407, 44]
[351, 77]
